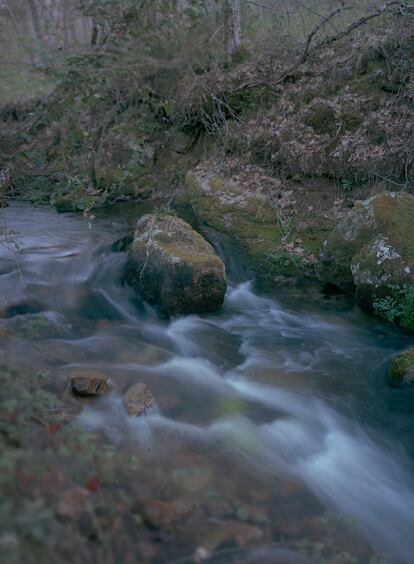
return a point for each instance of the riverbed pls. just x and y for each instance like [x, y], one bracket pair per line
[280, 397]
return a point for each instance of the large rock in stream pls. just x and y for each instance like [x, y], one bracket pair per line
[173, 267]
[371, 253]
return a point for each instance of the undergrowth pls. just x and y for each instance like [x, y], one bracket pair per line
[397, 306]
[117, 113]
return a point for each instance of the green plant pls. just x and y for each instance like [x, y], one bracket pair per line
[163, 210]
[285, 262]
[347, 184]
[397, 306]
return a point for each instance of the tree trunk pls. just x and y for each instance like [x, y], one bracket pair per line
[232, 27]
[38, 34]
[65, 26]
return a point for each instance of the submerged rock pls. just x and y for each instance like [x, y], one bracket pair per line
[89, 385]
[401, 369]
[138, 399]
[154, 512]
[172, 266]
[123, 244]
[371, 253]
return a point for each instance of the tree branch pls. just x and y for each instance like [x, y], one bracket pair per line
[400, 8]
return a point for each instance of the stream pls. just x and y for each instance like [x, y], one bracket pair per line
[281, 398]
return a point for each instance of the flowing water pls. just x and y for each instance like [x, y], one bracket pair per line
[281, 400]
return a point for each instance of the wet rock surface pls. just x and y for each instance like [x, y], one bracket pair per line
[89, 385]
[173, 267]
[138, 399]
[254, 390]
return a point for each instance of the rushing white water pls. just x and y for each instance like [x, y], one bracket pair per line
[306, 384]
[333, 455]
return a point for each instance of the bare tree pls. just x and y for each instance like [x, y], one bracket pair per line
[232, 27]
[38, 32]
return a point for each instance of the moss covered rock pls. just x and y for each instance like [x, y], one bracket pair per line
[173, 267]
[401, 369]
[259, 214]
[371, 251]
[233, 209]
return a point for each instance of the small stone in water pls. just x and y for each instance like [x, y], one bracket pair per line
[138, 399]
[89, 386]
[155, 513]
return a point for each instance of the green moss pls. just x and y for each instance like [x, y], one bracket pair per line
[401, 369]
[76, 200]
[216, 183]
[395, 216]
[64, 203]
[336, 261]
[254, 229]
[204, 260]
[314, 236]
[177, 239]
[258, 227]
[253, 224]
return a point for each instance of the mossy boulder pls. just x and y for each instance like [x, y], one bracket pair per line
[232, 208]
[371, 251]
[173, 267]
[243, 207]
[401, 369]
[268, 222]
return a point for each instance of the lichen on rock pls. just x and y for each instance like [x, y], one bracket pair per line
[372, 248]
[173, 267]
